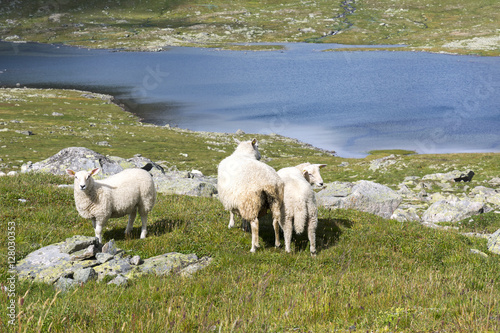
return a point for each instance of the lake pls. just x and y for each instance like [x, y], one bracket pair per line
[349, 102]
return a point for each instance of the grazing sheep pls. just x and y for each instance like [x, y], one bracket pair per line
[116, 196]
[300, 201]
[248, 187]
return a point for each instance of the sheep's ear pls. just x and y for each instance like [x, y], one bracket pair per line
[321, 165]
[254, 142]
[70, 172]
[94, 172]
[305, 172]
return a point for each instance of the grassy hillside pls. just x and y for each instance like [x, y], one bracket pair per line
[469, 27]
[370, 274]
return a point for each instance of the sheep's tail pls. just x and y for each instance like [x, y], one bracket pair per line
[299, 218]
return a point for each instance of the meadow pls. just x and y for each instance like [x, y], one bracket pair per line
[370, 274]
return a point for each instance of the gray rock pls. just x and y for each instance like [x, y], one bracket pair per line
[110, 248]
[119, 280]
[103, 257]
[485, 194]
[87, 253]
[76, 158]
[195, 267]
[494, 182]
[452, 210]
[136, 260]
[84, 275]
[405, 215]
[65, 284]
[77, 243]
[449, 176]
[166, 263]
[482, 254]
[113, 267]
[494, 242]
[382, 162]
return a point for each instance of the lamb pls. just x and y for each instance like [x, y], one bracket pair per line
[248, 187]
[300, 202]
[116, 196]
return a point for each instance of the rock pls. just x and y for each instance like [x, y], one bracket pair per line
[77, 243]
[482, 254]
[103, 257]
[57, 114]
[166, 263]
[84, 275]
[113, 267]
[452, 210]
[494, 181]
[373, 198]
[240, 132]
[110, 248]
[136, 260]
[494, 242]
[382, 162]
[193, 268]
[87, 253]
[119, 280]
[449, 176]
[344, 164]
[25, 132]
[365, 196]
[485, 194]
[65, 284]
[76, 158]
[173, 184]
[408, 215]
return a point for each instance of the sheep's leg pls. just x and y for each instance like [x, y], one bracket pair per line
[287, 231]
[311, 234]
[130, 225]
[144, 219]
[231, 220]
[255, 234]
[278, 215]
[98, 230]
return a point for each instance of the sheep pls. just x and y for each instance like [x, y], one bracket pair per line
[300, 202]
[116, 196]
[248, 187]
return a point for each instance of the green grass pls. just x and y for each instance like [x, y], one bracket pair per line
[370, 273]
[429, 25]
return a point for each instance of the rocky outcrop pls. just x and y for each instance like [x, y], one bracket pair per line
[63, 265]
[364, 195]
[166, 181]
[494, 242]
[452, 210]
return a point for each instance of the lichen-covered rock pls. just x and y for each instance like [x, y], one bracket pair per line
[485, 194]
[405, 215]
[166, 263]
[119, 280]
[494, 242]
[452, 210]
[449, 176]
[52, 264]
[64, 284]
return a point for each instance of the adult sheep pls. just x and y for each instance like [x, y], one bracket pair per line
[248, 187]
[124, 193]
[300, 202]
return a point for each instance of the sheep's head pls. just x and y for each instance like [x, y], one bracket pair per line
[83, 179]
[311, 173]
[249, 148]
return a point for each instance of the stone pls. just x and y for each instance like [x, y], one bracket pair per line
[84, 275]
[408, 215]
[65, 284]
[373, 198]
[476, 251]
[136, 260]
[113, 267]
[195, 267]
[382, 162]
[452, 210]
[494, 242]
[119, 280]
[449, 176]
[87, 253]
[103, 257]
[485, 194]
[110, 248]
[494, 181]
[170, 262]
[77, 243]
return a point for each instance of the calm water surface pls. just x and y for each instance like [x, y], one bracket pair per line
[350, 102]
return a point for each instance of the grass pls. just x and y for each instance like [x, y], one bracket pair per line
[464, 27]
[370, 274]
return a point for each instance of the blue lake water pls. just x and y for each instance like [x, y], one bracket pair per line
[350, 102]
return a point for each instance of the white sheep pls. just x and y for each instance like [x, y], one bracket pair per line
[248, 187]
[300, 202]
[116, 196]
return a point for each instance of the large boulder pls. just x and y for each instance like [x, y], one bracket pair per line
[167, 181]
[448, 176]
[365, 196]
[485, 194]
[452, 210]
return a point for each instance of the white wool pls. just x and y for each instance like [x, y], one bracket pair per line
[248, 187]
[300, 201]
[122, 194]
